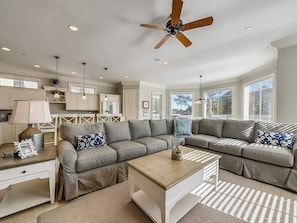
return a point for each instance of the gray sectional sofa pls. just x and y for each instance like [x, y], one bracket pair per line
[91, 169]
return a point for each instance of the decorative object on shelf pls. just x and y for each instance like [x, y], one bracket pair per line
[25, 148]
[56, 80]
[84, 79]
[31, 112]
[176, 151]
[200, 100]
[145, 104]
[105, 98]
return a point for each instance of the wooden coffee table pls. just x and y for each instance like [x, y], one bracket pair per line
[162, 187]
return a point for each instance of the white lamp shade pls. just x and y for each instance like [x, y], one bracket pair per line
[30, 112]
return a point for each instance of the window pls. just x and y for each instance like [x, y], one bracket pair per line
[181, 104]
[218, 104]
[76, 88]
[258, 101]
[18, 83]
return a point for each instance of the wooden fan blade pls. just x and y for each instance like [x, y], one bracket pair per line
[183, 39]
[162, 41]
[153, 27]
[176, 11]
[198, 23]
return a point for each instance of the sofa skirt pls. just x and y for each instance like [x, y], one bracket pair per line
[267, 173]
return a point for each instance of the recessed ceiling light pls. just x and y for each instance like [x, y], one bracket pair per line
[101, 78]
[165, 62]
[247, 28]
[73, 28]
[36, 65]
[5, 48]
[73, 72]
[126, 76]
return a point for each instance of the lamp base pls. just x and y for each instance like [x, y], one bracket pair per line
[36, 135]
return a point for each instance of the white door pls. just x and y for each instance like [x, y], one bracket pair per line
[157, 105]
[131, 103]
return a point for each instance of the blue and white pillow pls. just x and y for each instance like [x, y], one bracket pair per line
[281, 139]
[90, 140]
[183, 127]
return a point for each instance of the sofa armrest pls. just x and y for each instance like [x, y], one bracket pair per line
[295, 155]
[67, 156]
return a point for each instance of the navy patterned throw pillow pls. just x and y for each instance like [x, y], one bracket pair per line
[281, 139]
[90, 140]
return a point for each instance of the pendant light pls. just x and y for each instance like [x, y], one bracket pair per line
[200, 100]
[84, 93]
[105, 98]
[56, 95]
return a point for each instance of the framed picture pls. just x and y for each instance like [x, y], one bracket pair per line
[25, 148]
[145, 104]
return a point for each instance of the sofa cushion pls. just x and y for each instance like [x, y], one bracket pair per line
[127, 150]
[199, 140]
[182, 127]
[228, 145]
[90, 140]
[169, 123]
[69, 131]
[117, 131]
[242, 130]
[167, 138]
[195, 126]
[275, 127]
[211, 127]
[153, 145]
[275, 138]
[94, 157]
[158, 127]
[140, 129]
[269, 154]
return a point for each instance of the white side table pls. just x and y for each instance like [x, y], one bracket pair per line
[33, 192]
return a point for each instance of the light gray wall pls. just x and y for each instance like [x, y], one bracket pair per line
[286, 85]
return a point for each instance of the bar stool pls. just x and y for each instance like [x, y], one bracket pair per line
[86, 118]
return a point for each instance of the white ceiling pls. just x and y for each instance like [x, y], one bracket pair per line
[110, 36]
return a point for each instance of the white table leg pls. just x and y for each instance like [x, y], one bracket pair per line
[52, 180]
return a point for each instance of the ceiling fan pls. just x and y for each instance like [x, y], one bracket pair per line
[175, 25]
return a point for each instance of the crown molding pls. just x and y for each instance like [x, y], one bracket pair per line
[285, 42]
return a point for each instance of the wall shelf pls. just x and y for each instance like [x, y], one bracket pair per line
[50, 92]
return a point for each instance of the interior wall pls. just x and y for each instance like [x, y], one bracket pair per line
[145, 94]
[286, 85]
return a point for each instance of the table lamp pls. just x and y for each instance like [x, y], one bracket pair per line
[31, 112]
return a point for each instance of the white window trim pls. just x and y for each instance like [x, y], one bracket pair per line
[23, 78]
[70, 85]
[244, 94]
[232, 88]
[163, 103]
[181, 92]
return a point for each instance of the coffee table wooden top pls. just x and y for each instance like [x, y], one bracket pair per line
[161, 169]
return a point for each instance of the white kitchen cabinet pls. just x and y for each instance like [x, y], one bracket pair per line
[74, 101]
[1, 133]
[9, 94]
